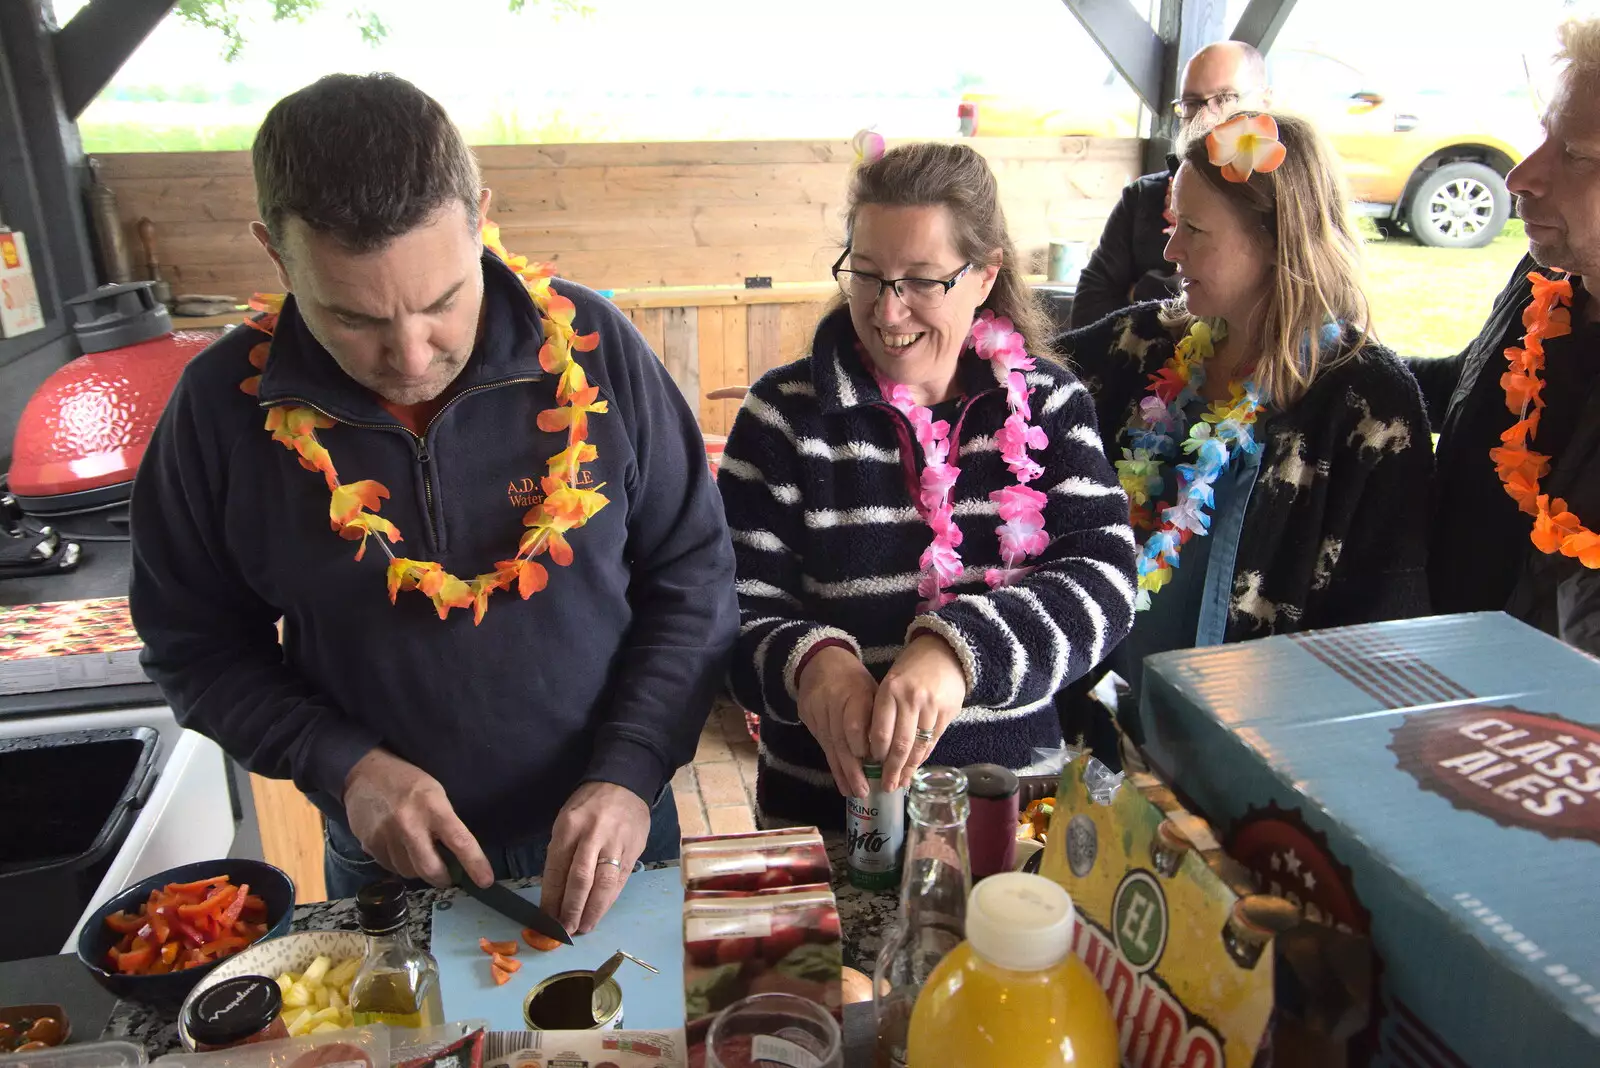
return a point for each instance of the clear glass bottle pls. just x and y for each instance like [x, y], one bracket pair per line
[398, 984]
[937, 877]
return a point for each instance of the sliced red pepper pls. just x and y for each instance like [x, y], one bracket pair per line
[199, 886]
[254, 908]
[123, 923]
[195, 911]
[189, 933]
[230, 915]
[221, 947]
[501, 976]
[505, 963]
[136, 960]
[505, 949]
[543, 943]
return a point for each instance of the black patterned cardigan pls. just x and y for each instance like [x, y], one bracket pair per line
[1336, 529]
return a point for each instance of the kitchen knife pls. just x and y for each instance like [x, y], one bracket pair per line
[510, 905]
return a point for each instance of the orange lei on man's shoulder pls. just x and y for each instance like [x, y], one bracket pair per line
[1555, 529]
[353, 506]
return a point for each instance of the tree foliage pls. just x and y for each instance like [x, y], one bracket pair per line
[226, 16]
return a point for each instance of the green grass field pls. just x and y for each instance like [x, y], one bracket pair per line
[1432, 301]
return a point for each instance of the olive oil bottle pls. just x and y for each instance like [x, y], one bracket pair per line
[398, 984]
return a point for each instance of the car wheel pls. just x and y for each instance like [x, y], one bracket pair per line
[1389, 228]
[1460, 205]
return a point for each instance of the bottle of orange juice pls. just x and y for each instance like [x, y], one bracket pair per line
[1014, 993]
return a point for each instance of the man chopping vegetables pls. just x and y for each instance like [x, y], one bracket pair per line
[509, 639]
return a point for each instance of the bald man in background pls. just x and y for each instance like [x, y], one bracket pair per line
[1128, 266]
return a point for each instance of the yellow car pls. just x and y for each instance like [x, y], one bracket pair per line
[1435, 168]
[1003, 115]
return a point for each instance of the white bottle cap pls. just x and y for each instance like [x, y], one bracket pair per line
[1020, 921]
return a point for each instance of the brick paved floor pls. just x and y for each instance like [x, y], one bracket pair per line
[716, 793]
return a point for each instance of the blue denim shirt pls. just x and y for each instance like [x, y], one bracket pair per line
[1191, 611]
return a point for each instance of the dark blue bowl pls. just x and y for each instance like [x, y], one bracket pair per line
[271, 884]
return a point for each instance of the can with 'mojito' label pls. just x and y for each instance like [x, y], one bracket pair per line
[875, 829]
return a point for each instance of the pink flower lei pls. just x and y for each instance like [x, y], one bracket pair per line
[1021, 532]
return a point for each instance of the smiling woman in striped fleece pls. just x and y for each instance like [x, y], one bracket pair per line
[899, 599]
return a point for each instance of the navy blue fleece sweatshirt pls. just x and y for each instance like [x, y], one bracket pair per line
[606, 675]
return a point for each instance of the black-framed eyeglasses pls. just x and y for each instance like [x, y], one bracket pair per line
[1190, 107]
[913, 292]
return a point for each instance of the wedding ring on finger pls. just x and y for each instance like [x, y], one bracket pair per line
[924, 735]
[613, 861]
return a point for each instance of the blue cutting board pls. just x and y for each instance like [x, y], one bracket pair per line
[647, 921]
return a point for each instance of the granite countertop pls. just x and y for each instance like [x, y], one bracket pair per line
[864, 919]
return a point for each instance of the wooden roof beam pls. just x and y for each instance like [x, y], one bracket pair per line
[1125, 36]
[1261, 22]
[101, 37]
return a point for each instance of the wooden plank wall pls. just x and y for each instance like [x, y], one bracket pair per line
[713, 344]
[629, 216]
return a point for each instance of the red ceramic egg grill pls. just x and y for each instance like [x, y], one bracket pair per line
[82, 435]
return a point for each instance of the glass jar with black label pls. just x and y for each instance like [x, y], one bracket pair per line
[236, 1012]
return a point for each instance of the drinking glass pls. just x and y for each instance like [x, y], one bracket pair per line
[774, 1031]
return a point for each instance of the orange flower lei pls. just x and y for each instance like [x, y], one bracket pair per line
[1519, 467]
[353, 507]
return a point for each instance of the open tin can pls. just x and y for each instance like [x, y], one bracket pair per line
[570, 1001]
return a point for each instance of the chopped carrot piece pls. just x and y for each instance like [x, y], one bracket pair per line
[505, 949]
[501, 961]
[543, 943]
[501, 976]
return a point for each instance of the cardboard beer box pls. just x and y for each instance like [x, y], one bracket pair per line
[1432, 782]
[1190, 957]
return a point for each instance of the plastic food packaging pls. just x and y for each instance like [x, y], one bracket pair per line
[1101, 782]
[407, 1044]
[561, 1049]
[464, 1052]
[365, 1047]
[763, 942]
[759, 860]
[88, 1055]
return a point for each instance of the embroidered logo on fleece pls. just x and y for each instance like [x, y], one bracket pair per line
[526, 492]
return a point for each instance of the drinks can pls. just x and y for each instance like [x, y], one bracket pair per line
[875, 830]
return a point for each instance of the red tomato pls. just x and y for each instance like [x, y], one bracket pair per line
[703, 952]
[780, 942]
[773, 877]
[827, 929]
[736, 950]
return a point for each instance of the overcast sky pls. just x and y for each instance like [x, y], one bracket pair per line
[479, 54]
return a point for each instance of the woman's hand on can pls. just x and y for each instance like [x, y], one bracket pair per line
[836, 694]
[916, 701]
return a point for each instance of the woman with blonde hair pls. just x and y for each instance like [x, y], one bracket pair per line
[929, 540]
[1275, 455]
